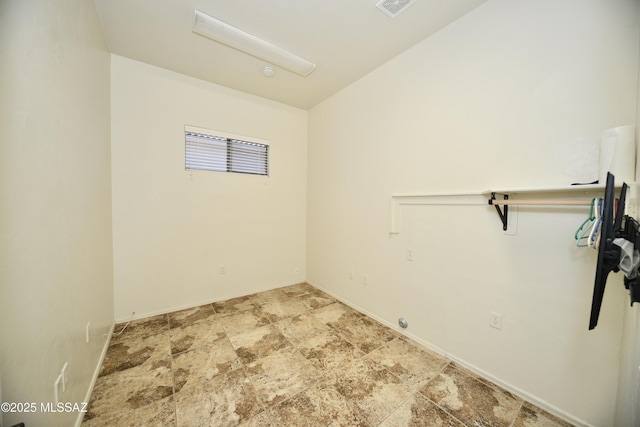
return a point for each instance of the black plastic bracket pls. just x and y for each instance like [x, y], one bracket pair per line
[503, 214]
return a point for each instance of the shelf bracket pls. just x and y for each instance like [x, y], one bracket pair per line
[503, 214]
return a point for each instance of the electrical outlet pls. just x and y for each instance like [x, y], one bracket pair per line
[296, 270]
[365, 280]
[222, 270]
[409, 254]
[495, 320]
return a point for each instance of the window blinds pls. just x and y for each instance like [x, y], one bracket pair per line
[248, 157]
[217, 153]
[205, 152]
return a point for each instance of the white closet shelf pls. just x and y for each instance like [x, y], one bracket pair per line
[590, 188]
[485, 198]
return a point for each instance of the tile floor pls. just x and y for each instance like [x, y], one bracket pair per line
[292, 356]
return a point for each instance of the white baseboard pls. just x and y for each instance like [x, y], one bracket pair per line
[505, 385]
[144, 315]
[96, 372]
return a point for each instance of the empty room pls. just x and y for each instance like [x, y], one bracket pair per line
[306, 213]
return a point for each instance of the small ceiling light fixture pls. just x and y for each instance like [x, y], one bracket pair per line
[226, 34]
[268, 71]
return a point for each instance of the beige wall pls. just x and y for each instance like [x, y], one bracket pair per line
[173, 229]
[55, 202]
[514, 94]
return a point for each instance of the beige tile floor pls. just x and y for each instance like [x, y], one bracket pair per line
[292, 356]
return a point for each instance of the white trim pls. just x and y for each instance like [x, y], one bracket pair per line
[397, 201]
[87, 397]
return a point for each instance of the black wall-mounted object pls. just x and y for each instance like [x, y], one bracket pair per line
[503, 214]
[631, 231]
[613, 227]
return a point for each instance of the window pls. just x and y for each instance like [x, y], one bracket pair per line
[218, 151]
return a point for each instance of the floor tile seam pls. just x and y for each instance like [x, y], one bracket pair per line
[263, 405]
[219, 374]
[226, 332]
[120, 340]
[393, 410]
[517, 412]
[410, 390]
[379, 347]
[317, 378]
[154, 353]
[362, 315]
[343, 337]
[168, 314]
[497, 388]
[487, 383]
[102, 420]
[175, 406]
[353, 408]
[515, 417]
[242, 364]
[429, 382]
[299, 347]
[205, 344]
[293, 341]
[175, 410]
[266, 413]
[413, 387]
[347, 401]
[212, 304]
[246, 374]
[291, 346]
[442, 408]
[173, 380]
[313, 383]
[181, 326]
[295, 348]
[411, 396]
[109, 420]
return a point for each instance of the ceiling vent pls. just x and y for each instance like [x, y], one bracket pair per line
[393, 7]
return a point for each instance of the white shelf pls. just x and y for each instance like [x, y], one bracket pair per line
[481, 197]
[588, 188]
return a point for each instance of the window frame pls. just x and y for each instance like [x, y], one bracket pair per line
[231, 140]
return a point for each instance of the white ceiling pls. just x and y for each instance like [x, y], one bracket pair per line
[345, 38]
